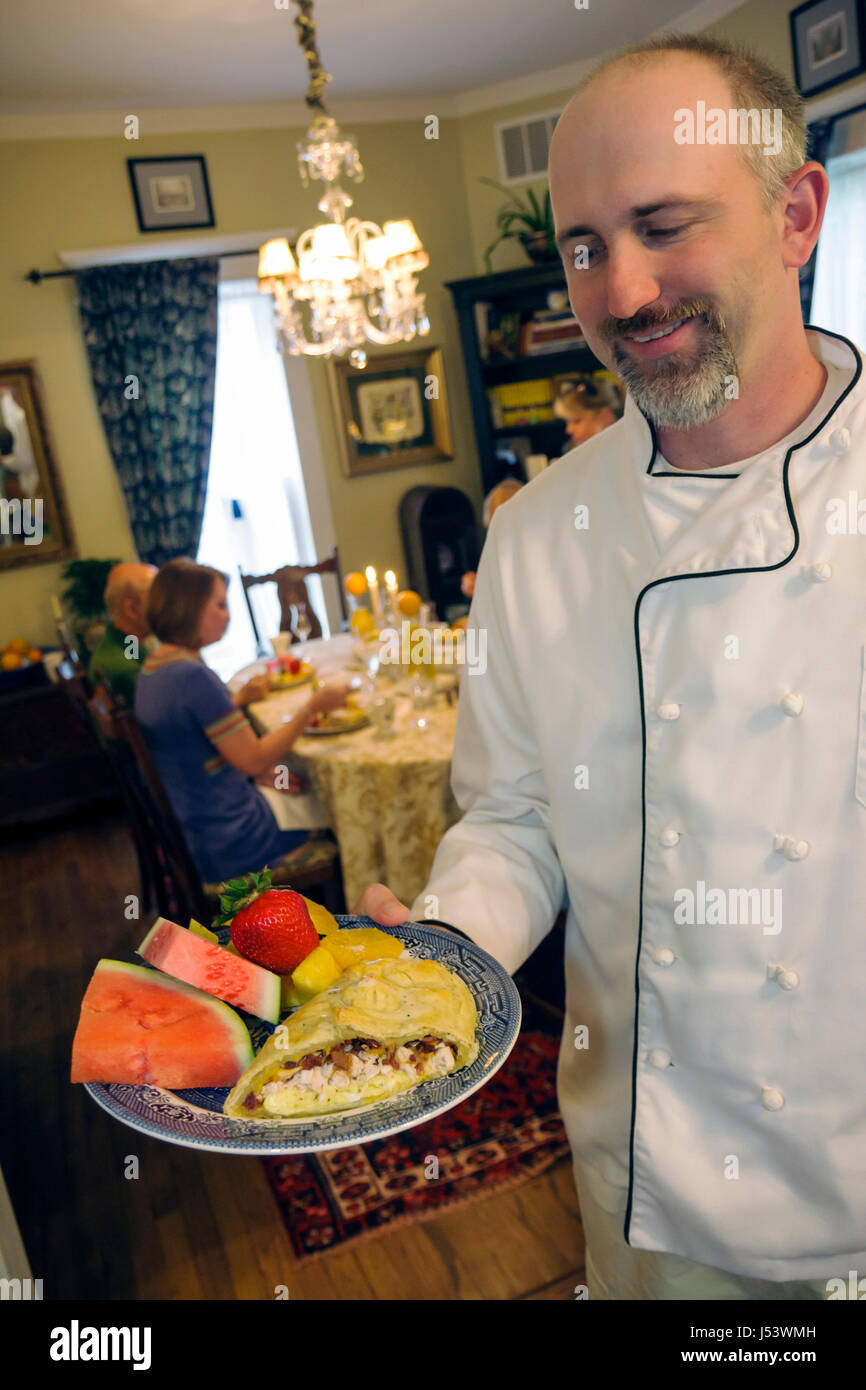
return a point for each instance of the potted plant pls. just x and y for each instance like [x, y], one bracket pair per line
[530, 222]
[83, 596]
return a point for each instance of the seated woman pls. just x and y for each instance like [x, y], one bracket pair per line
[204, 747]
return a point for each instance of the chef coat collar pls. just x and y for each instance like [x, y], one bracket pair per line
[751, 524]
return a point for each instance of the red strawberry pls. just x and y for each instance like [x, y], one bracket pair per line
[270, 926]
[294, 666]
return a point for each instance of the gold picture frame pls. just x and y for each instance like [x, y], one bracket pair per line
[34, 522]
[393, 413]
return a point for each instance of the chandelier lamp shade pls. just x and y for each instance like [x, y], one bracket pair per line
[348, 282]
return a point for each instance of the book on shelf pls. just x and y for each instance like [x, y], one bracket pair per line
[552, 337]
[521, 403]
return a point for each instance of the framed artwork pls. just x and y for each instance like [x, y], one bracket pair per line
[171, 193]
[827, 37]
[34, 525]
[393, 412]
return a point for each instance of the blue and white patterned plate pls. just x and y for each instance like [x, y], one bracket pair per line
[194, 1119]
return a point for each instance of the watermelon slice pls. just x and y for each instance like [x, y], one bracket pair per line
[189, 957]
[139, 1027]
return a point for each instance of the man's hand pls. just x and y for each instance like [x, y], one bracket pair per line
[379, 902]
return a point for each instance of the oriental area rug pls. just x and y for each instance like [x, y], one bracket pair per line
[500, 1137]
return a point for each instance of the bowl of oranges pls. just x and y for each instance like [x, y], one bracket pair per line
[21, 663]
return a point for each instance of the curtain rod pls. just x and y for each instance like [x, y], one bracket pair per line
[37, 276]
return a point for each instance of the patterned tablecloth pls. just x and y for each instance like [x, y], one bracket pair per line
[389, 800]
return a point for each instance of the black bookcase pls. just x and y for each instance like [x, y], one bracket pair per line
[513, 292]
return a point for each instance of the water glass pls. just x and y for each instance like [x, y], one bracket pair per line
[381, 711]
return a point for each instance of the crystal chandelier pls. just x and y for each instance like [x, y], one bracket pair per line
[358, 280]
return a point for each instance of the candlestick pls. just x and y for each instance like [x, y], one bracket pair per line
[373, 585]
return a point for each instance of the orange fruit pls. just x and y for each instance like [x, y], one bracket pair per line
[20, 645]
[354, 945]
[356, 584]
[460, 625]
[34, 654]
[362, 621]
[10, 661]
[409, 603]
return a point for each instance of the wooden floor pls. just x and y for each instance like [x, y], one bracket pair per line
[194, 1226]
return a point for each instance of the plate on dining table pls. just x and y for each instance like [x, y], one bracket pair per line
[284, 680]
[194, 1119]
[343, 727]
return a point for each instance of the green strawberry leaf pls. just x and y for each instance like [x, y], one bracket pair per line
[238, 893]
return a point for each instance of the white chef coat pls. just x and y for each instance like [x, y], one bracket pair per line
[712, 693]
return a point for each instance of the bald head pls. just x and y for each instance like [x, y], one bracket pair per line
[126, 592]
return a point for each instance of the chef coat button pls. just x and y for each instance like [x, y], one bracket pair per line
[668, 711]
[771, 1099]
[791, 848]
[663, 955]
[669, 837]
[787, 979]
[792, 703]
[840, 441]
[658, 1057]
[818, 573]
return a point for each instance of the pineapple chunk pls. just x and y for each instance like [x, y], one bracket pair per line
[198, 930]
[315, 974]
[289, 998]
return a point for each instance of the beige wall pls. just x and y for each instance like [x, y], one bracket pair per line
[74, 194]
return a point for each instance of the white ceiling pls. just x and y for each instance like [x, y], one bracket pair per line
[142, 55]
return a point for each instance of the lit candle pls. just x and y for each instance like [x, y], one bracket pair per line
[391, 583]
[373, 585]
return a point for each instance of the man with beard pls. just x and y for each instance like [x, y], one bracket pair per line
[674, 706]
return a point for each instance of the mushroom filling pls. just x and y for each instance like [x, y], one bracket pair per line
[352, 1063]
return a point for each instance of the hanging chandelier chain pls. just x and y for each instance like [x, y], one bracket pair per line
[306, 27]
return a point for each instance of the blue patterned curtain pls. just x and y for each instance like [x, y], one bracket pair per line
[151, 331]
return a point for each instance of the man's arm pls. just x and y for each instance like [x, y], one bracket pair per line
[496, 876]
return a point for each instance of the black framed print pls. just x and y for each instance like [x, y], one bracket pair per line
[171, 193]
[827, 37]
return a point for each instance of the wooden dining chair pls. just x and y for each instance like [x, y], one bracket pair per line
[170, 880]
[293, 596]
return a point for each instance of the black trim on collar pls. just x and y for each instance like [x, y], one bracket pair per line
[709, 574]
[699, 473]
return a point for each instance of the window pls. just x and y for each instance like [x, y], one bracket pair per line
[256, 516]
[839, 294]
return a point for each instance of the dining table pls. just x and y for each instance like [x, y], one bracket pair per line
[388, 798]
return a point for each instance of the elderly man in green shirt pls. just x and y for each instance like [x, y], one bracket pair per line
[120, 654]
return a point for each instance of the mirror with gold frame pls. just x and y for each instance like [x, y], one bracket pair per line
[34, 523]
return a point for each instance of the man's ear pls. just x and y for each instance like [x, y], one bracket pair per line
[804, 208]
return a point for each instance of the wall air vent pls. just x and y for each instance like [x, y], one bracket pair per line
[522, 146]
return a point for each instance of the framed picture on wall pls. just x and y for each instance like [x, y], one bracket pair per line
[392, 413]
[171, 193]
[34, 525]
[827, 37]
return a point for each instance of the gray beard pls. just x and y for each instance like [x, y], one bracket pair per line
[682, 390]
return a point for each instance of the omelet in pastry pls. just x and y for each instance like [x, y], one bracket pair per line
[382, 1028]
